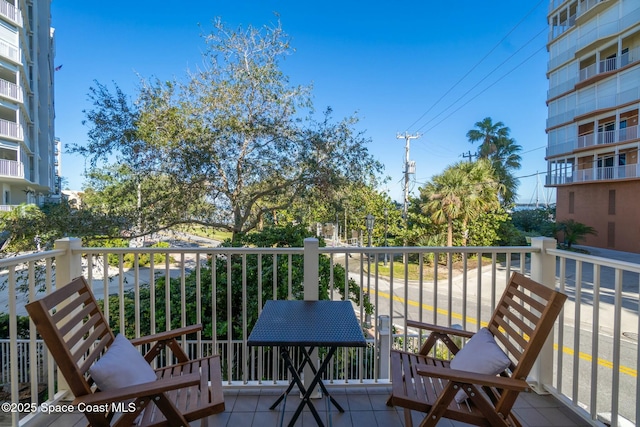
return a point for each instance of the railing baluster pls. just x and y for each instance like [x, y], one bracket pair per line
[13, 344]
[479, 292]
[561, 322]
[289, 277]
[245, 359]
[493, 281]
[199, 352]
[450, 288]
[136, 291]
[576, 335]
[32, 363]
[121, 293]
[259, 351]
[229, 321]
[464, 290]
[436, 259]
[595, 340]
[617, 333]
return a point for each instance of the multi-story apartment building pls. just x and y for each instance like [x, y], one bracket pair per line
[27, 145]
[592, 125]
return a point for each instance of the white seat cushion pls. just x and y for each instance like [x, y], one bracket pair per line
[120, 366]
[480, 355]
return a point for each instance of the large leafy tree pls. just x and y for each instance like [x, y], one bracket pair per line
[233, 142]
[29, 227]
[461, 193]
[502, 150]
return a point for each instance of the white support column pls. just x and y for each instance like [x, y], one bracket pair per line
[543, 270]
[311, 282]
[311, 293]
[68, 267]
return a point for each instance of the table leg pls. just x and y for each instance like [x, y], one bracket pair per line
[284, 353]
[307, 357]
[306, 398]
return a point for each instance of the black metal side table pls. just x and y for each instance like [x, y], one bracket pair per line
[307, 325]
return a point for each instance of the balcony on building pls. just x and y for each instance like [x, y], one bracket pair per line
[9, 128]
[610, 59]
[10, 12]
[609, 130]
[10, 166]
[9, 88]
[10, 51]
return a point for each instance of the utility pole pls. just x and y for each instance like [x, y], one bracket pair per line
[469, 155]
[409, 168]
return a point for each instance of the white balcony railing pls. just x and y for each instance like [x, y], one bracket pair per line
[11, 168]
[10, 11]
[609, 64]
[586, 5]
[604, 29]
[598, 174]
[593, 376]
[10, 90]
[10, 129]
[608, 137]
[9, 51]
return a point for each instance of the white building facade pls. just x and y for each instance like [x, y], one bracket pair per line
[592, 126]
[28, 149]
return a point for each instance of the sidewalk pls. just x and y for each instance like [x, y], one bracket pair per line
[610, 253]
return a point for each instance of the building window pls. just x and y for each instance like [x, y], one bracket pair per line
[612, 202]
[611, 235]
[571, 201]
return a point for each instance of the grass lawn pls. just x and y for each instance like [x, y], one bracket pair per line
[413, 270]
[210, 233]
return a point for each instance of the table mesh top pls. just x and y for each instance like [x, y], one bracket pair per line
[307, 323]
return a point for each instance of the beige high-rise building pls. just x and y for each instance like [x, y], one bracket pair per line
[592, 125]
[28, 149]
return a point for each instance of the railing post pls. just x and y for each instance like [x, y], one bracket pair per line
[384, 342]
[311, 268]
[543, 270]
[311, 293]
[68, 267]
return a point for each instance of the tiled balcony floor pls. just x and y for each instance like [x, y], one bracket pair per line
[364, 406]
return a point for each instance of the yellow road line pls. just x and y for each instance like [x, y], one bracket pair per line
[566, 350]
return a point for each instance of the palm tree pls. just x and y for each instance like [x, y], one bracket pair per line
[574, 231]
[462, 192]
[505, 159]
[487, 133]
[502, 151]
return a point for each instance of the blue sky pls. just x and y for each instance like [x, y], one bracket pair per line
[400, 66]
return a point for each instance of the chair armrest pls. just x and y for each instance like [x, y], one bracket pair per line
[472, 377]
[440, 329]
[167, 335]
[139, 390]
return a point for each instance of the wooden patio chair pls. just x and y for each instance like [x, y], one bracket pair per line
[83, 346]
[469, 389]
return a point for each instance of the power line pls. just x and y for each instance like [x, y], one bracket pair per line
[483, 79]
[477, 63]
[487, 88]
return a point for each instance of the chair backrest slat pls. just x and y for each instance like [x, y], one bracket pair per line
[97, 351]
[513, 305]
[509, 338]
[521, 323]
[74, 330]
